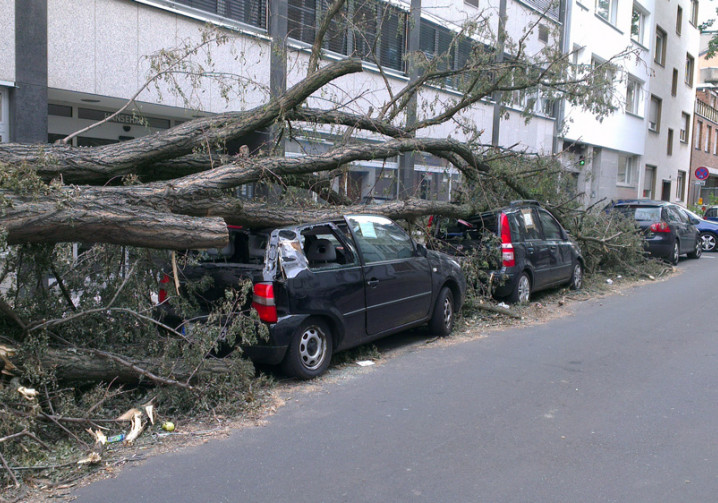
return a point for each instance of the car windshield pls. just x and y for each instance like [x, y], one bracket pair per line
[641, 213]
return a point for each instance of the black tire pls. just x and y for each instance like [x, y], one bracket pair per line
[522, 290]
[310, 350]
[675, 254]
[442, 319]
[709, 241]
[698, 250]
[576, 282]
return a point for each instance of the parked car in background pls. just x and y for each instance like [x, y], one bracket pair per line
[711, 213]
[536, 252]
[667, 228]
[708, 230]
[329, 286]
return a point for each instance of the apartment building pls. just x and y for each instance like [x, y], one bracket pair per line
[66, 65]
[642, 150]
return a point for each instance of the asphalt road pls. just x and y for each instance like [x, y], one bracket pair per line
[613, 403]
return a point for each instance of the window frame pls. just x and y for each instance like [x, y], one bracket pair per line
[659, 56]
[640, 15]
[637, 102]
[610, 10]
[681, 185]
[698, 132]
[656, 128]
[690, 69]
[629, 177]
[679, 20]
[686, 130]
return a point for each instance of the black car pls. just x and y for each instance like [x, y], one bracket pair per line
[329, 286]
[669, 232]
[536, 252]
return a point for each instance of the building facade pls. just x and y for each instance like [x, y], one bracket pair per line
[643, 150]
[64, 67]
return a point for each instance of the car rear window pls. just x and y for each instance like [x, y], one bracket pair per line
[641, 213]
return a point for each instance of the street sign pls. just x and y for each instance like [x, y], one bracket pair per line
[702, 173]
[700, 183]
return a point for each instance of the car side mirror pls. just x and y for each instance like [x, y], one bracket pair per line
[421, 250]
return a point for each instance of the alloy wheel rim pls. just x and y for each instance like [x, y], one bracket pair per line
[709, 242]
[448, 313]
[312, 348]
[577, 276]
[524, 289]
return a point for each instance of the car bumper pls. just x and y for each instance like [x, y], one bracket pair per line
[659, 247]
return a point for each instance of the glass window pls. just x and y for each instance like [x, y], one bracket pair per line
[638, 22]
[660, 49]
[698, 134]
[527, 224]
[634, 95]
[379, 239]
[551, 228]
[690, 67]
[694, 12]
[674, 82]
[669, 142]
[606, 9]
[685, 126]
[679, 20]
[626, 170]
[654, 114]
[709, 134]
[681, 185]
[649, 182]
[324, 250]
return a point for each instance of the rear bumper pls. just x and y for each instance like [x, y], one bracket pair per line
[660, 247]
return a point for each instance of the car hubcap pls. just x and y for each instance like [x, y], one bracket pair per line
[577, 276]
[524, 289]
[708, 241]
[448, 313]
[312, 348]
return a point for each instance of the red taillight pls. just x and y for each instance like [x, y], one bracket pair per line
[263, 302]
[162, 294]
[507, 248]
[660, 227]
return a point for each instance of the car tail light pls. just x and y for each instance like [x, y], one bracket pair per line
[263, 302]
[162, 294]
[507, 247]
[660, 227]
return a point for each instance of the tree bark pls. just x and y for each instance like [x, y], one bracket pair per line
[80, 366]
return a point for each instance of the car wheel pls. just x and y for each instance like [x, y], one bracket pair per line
[442, 319]
[698, 250]
[522, 290]
[577, 277]
[675, 254]
[708, 240]
[310, 350]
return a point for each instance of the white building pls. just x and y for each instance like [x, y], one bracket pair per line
[643, 150]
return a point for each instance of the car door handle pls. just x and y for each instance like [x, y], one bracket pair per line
[372, 282]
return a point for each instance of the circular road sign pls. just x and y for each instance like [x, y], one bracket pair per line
[702, 173]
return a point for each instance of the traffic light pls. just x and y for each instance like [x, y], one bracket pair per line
[581, 160]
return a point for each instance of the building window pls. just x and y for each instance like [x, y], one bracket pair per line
[679, 20]
[634, 95]
[649, 182]
[698, 133]
[674, 82]
[690, 67]
[543, 33]
[669, 144]
[626, 170]
[638, 22]
[660, 55]
[654, 114]
[473, 3]
[606, 9]
[681, 185]
[438, 44]
[694, 12]
[709, 137]
[685, 126]
[252, 12]
[715, 143]
[376, 31]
